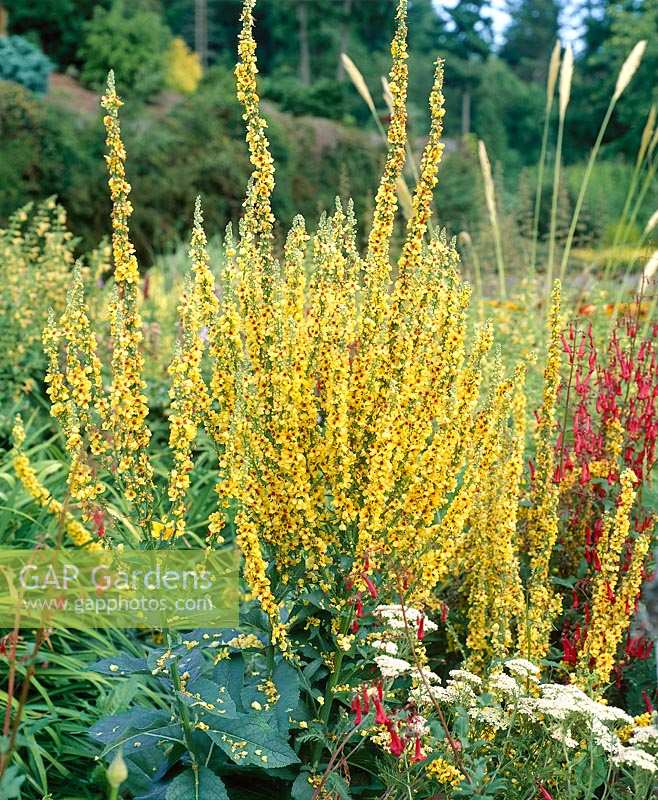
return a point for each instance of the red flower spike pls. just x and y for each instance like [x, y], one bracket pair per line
[421, 628]
[397, 745]
[544, 793]
[647, 702]
[356, 708]
[372, 589]
[355, 626]
[418, 753]
[359, 605]
[380, 714]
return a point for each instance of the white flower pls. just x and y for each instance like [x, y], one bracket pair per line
[416, 725]
[564, 736]
[645, 735]
[504, 684]
[388, 647]
[392, 667]
[424, 675]
[394, 616]
[465, 676]
[426, 695]
[634, 757]
[604, 737]
[494, 717]
[523, 668]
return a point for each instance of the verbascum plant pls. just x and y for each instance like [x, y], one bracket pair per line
[36, 261]
[356, 446]
[543, 603]
[616, 588]
[356, 438]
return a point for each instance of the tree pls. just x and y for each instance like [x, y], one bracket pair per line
[58, 24]
[468, 43]
[530, 37]
[130, 39]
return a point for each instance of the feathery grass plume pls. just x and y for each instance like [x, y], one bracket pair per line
[651, 223]
[626, 73]
[357, 79]
[648, 272]
[566, 77]
[566, 74]
[553, 70]
[190, 400]
[616, 588]
[465, 238]
[490, 198]
[543, 603]
[26, 474]
[629, 68]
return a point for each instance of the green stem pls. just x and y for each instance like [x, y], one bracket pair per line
[583, 187]
[325, 712]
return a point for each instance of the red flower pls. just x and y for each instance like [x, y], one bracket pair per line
[356, 708]
[418, 753]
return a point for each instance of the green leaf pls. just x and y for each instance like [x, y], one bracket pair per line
[230, 673]
[212, 693]
[286, 680]
[184, 787]
[250, 740]
[10, 784]
[111, 729]
[119, 665]
[301, 788]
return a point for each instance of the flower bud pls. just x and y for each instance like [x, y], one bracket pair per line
[117, 772]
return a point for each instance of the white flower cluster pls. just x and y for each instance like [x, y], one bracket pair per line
[394, 617]
[387, 647]
[565, 712]
[392, 667]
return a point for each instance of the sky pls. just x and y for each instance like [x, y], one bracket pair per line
[570, 17]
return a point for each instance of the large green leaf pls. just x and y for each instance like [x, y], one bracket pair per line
[185, 786]
[250, 740]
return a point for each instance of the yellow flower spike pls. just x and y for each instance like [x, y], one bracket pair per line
[76, 393]
[190, 400]
[377, 272]
[26, 474]
[614, 591]
[492, 576]
[543, 603]
[128, 407]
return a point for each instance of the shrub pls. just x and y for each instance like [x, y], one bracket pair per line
[132, 41]
[38, 150]
[184, 69]
[23, 62]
